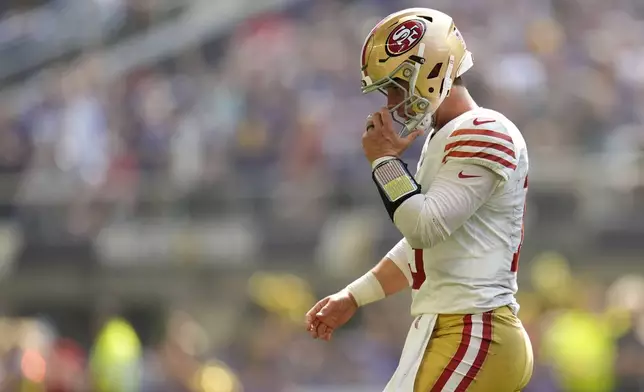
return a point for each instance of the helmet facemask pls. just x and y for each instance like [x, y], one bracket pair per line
[418, 110]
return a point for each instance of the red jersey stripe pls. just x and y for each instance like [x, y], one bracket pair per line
[484, 132]
[477, 143]
[481, 155]
[418, 277]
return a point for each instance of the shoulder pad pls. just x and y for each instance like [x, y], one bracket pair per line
[483, 141]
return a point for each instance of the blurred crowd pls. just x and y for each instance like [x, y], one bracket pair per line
[265, 118]
[260, 123]
[587, 335]
[34, 33]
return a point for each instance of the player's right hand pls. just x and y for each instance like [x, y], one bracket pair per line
[330, 313]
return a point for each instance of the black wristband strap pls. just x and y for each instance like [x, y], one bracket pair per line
[395, 184]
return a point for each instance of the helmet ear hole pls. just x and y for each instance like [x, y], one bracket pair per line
[431, 90]
[435, 71]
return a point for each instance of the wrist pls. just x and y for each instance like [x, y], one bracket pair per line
[366, 289]
[380, 160]
[352, 298]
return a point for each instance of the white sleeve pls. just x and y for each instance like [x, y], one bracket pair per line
[458, 190]
[398, 254]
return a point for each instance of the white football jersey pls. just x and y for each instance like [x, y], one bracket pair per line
[474, 269]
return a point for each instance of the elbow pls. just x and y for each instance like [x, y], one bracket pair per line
[419, 226]
[414, 230]
[410, 230]
[419, 237]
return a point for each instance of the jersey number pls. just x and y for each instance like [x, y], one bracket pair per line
[515, 259]
[417, 270]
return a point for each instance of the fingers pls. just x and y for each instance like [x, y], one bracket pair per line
[412, 136]
[316, 327]
[377, 120]
[370, 123]
[328, 335]
[323, 312]
[386, 120]
[312, 327]
[322, 329]
[312, 322]
[310, 315]
[319, 330]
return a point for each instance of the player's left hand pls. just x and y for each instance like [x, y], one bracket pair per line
[380, 139]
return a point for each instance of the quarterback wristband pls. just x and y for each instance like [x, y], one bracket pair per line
[366, 289]
[378, 161]
[395, 184]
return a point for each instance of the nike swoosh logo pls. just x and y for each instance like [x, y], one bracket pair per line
[461, 175]
[478, 122]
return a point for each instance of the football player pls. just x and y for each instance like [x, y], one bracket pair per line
[460, 214]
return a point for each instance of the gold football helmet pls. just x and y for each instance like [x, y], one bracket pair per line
[422, 47]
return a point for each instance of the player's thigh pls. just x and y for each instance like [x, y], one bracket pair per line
[482, 353]
[454, 353]
[510, 361]
[437, 357]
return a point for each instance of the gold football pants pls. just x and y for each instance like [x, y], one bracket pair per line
[488, 352]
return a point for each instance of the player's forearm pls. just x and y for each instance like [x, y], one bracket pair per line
[390, 276]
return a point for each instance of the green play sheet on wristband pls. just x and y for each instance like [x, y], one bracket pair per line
[399, 187]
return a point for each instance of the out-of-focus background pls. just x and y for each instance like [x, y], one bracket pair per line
[181, 179]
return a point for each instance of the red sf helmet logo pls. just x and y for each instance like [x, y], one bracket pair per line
[404, 37]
